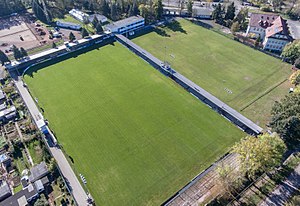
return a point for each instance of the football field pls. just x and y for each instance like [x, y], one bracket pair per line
[246, 79]
[135, 135]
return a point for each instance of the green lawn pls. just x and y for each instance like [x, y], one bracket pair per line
[233, 72]
[133, 133]
[35, 150]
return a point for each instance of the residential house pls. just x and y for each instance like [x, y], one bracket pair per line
[272, 30]
[5, 161]
[128, 25]
[22, 198]
[277, 36]
[100, 18]
[37, 172]
[258, 24]
[79, 15]
[68, 25]
[5, 191]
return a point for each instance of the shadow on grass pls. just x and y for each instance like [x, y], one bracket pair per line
[202, 24]
[175, 26]
[161, 32]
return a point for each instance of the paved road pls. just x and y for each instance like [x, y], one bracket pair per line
[71, 179]
[285, 190]
[294, 28]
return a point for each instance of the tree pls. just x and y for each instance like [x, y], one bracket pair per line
[277, 4]
[259, 154]
[133, 9]
[17, 53]
[3, 58]
[229, 179]
[286, 118]
[42, 201]
[84, 32]
[230, 13]
[99, 28]
[241, 17]
[235, 27]
[104, 7]
[41, 11]
[217, 14]
[95, 22]
[53, 45]
[72, 37]
[295, 78]
[291, 51]
[23, 52]
[297, 63]
[158, 9]
[113, 11]
[145, 12]
[257, 41]
[190, 7]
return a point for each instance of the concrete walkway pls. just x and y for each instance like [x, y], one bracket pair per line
[285, 190]
[74, 185]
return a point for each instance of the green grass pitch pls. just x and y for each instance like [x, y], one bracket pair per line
[233, 72]
[133, 133]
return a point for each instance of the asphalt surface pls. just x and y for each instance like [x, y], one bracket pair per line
[285, 190]
[74, 185]
[294, 28]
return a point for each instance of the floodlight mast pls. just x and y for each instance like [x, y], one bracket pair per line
[166, 63]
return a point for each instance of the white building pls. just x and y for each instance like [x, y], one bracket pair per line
[100, 18]
[277, 36]
[271, 29]
[79, 15]
[68, 25]
[258, 24]
[127, 25]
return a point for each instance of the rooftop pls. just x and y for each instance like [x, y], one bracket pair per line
[2, 95]
[124, 22]
[38, 172]
[3, 158]
[278, 26]
[100, 17]
[67, 23]
[19, 198]
[262, 20]
[4, 191]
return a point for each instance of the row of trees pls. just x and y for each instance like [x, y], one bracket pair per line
[18, 54]
[46, 10]
[256, 156]
[8, 7]
[227, 17]
[261, 154]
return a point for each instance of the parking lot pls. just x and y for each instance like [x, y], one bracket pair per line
[22, 32]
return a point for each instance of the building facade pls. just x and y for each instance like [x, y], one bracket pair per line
[272, 30]
[68, 25]
[258, 24]
[277, 36]
[127, 25]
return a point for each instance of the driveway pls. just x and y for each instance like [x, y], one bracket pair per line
[294, 28]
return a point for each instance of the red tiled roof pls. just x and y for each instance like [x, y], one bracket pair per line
[262, 20]
[279, 25]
